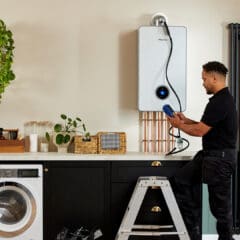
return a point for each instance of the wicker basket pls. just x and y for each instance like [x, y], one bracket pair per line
[87, 147]
[111, 142]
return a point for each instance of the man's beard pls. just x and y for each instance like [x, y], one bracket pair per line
[209, 91]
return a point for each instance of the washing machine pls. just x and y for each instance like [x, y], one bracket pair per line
[21, 202]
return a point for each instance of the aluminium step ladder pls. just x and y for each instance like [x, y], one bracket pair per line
[128, 227]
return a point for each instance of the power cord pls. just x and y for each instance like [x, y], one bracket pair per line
[178, 137]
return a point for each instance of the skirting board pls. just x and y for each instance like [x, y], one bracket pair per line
[215, 237]
[209, 237]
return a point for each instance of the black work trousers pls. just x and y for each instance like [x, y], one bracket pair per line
[215, 169]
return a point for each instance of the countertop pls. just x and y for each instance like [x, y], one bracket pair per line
[130, 156]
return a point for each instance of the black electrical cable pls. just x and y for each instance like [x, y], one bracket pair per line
[175, 93]
[180, 150]
[168, 60]
[170, 85]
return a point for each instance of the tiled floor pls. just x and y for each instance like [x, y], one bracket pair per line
[215, 237]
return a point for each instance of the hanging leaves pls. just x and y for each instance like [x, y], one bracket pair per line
[6, 57]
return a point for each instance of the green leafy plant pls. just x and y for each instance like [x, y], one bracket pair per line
[63, 131]
[6, 57]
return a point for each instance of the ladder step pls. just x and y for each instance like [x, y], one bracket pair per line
[144, 233]
[152, 178]
[152, 226]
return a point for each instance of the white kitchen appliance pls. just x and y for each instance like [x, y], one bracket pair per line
[21, 208]
[160, 58]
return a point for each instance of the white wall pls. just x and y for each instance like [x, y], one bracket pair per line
[80, 57]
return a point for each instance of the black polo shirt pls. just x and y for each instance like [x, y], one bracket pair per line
[220, 114]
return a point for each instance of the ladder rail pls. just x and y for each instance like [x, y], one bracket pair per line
[133, 206]
[174, 210]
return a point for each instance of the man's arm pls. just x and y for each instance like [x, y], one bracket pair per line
[192, 128]
[197, 129]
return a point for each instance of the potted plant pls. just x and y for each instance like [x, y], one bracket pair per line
[6, 57]
[63, 133]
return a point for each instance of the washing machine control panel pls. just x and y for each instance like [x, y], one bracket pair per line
[19, 173]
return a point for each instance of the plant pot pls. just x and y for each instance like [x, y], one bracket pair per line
[62, 147]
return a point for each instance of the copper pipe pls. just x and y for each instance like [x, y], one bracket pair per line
[159, 131]
[147, 133]
[154, 131]
[168, 137]
[165, 136]
[144, 116]
[162, 132]
[173, 140]
[150, 132]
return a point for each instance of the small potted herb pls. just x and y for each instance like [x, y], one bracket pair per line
[63, 133]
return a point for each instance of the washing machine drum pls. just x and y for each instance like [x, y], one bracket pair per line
[17, 209]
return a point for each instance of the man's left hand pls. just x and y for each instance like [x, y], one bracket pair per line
[175, 121]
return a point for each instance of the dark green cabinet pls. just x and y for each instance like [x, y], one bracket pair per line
[76, 194]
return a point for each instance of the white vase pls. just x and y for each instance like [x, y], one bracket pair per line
[62, 148]
[33, 137]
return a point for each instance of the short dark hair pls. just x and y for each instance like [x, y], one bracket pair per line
[215, 67]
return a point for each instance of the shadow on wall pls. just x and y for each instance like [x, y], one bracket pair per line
[226, 40]
[128, 70]
[38, 49]
[37, 74]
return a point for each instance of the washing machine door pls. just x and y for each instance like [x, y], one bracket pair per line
[17, 209]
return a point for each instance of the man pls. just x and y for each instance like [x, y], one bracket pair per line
[215, 163]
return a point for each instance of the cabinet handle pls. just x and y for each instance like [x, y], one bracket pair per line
[45, 169]
[156, 164]
[156, 209]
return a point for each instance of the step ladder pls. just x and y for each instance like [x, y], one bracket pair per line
[128, 227]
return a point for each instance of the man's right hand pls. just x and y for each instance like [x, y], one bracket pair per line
[182, 117]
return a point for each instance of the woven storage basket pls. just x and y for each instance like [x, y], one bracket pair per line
[81, 146]
[111, 142]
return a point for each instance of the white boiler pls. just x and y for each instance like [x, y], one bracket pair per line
[154, 51]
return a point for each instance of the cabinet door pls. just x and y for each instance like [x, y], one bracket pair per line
[76, 194]
[124, 178]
